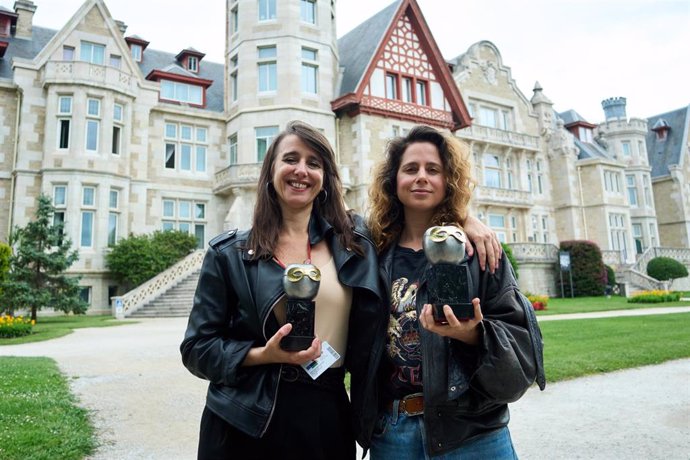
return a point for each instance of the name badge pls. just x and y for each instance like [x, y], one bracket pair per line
[318, 366]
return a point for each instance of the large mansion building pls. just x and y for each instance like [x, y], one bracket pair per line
[128, 139]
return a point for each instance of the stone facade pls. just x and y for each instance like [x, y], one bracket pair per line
[120, 154]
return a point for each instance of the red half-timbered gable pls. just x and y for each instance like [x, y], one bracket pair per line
[407, 77]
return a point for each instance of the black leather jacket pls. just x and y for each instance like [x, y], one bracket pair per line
[467, 388]
[232, 313]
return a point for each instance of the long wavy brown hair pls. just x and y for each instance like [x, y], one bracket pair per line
[386, 217]
[268, 218]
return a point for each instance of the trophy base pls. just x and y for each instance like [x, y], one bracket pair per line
[460, 310]
[296, 342]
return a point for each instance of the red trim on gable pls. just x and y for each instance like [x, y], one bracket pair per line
[138, 41]
[3, 48]
[458, 111]
[188, 52]
[157, 75]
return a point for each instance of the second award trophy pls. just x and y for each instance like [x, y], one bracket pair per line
[448, 277]
[301, 283]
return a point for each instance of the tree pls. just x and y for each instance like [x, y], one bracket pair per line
[138, 258]
[587, 269]
[37, 276]
[666, 269]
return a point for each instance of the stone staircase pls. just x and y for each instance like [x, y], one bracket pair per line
[175, 302]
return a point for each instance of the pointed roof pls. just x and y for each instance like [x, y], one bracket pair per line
[669, 151]
[361, 49]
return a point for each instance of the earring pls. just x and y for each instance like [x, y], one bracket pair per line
[323, 196]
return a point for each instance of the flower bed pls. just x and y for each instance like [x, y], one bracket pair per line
[654, 297]
[539, 302]
[11, 326]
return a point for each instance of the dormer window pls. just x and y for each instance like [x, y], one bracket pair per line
[193, 64]
[137, 52]
[181, 89]
[585, 134]
[661, 128]
[137, 46]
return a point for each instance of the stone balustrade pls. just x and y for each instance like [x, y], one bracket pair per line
[500, 136]
[75, 72]
[140, 296]
[535, 252]
[503, 196]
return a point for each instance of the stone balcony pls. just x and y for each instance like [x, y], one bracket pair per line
[499, 136]
[503, 197]
[247, 175]
[85, 73]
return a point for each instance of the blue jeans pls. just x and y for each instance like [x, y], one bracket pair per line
[402, 437]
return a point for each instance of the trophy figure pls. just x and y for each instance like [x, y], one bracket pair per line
[448, 277]
[301, 283]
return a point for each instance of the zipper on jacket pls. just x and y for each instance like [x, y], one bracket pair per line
[280, 371]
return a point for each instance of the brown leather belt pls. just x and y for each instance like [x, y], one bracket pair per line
[409, 405]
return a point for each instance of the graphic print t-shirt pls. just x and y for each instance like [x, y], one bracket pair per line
[403, 347]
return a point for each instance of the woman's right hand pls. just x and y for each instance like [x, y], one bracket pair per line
[272, 353]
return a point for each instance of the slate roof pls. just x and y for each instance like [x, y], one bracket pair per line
[356, 49]
[570, 116]
[153, 59]
[591, 150]
[662, 154]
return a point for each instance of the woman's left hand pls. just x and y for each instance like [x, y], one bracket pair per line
[465, 330]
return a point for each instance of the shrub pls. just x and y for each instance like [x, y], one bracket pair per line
[511, 258]
[539, 302]
[138, 258]
[654, 297]
[610, 276]
[666, 268]
[587, 267]
[11, 326]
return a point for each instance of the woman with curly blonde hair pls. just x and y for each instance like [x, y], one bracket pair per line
[444, 386]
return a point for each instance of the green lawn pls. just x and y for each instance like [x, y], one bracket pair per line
[575, 348]
[39, 418]
[52, 327]
[590, 304]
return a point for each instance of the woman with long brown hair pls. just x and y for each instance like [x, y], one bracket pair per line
[445, 384]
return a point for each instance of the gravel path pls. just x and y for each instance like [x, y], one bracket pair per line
[147, 406]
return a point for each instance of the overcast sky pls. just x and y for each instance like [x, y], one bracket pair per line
[581, 51]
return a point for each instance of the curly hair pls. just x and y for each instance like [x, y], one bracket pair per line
[268, 217]
[386, 217]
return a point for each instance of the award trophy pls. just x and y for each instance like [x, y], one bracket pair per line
[301, 283]
[448, 277]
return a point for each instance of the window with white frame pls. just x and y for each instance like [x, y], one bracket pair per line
[267, 10]
[59, 204]
[545, 228]
[118, 118]
[647, 190]
[310, 71]
[64, 121]
[530, 188]
[638, 238]
[307, 11]
[632, 190]
[93, 123]
[115, 61]
[535, 229]
[185, 147]
[137, 51]
[618, 233]
[233, 78]
[625, 146]
[113, 216]
[187, 216]
[181, 92]
[612, 181]
[652, 234]
[233, 149]
[407, 89]
[513, 228]
[234, 20]
[585, 134]
[193, 64]
[264, 137]
[493, 116]
[497, 222]
[85, 294]
[92, 52]
[268, 68]
[640, 148]
[492, 170]
[421, 92]
[509, 174]
[88, 214]
[68, 53]
[391, 86]
[540, 178]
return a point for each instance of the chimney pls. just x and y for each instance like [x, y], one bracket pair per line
[121, 25]
[25, 10]
[614, 107]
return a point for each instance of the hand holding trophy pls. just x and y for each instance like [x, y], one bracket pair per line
[448, 279]
[301, 284]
